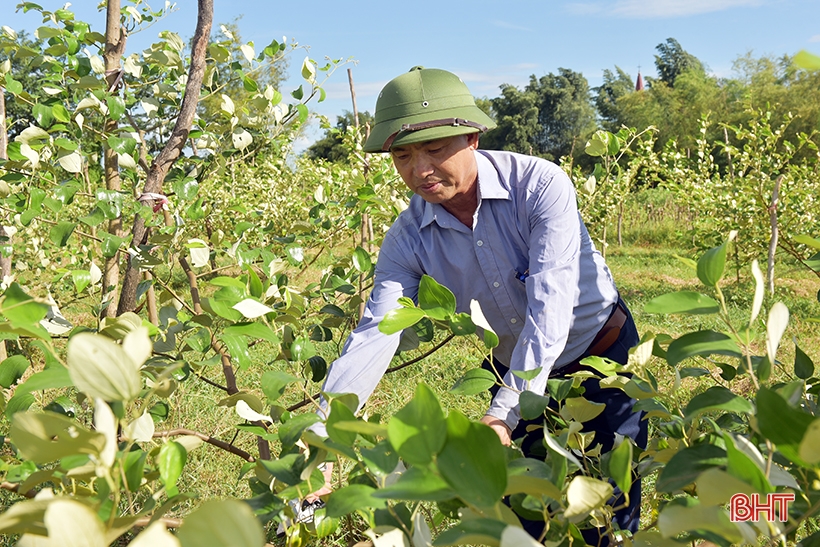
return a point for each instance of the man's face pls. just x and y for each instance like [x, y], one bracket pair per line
[439, 170]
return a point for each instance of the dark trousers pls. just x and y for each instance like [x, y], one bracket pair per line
[617, 418]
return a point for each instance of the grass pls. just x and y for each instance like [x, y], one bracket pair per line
[646, 267]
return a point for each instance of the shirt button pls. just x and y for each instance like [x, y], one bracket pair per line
[496, 284]
[479, 243]
[513, 320]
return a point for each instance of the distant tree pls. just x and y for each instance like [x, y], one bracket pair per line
[672, 60]
[565, 113]
[330, 146]
[551, 117]
[516, 115]
[23, 54]
[615, 85]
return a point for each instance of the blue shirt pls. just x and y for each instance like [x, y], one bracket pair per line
[527, 220]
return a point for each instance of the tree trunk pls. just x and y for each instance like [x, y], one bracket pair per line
[172, 149]
[5, 259]
[114, 49]
[773, 240]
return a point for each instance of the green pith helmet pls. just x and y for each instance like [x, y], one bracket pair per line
[423, 105]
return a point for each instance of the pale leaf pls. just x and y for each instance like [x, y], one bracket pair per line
[775, 327]
[199, 252]
[421, 531]
[514, 536]
[246, 412]
[73, 162]
[584, 495]
[247, 51]
[251, 308]
[72, 524]
[105, 423]
[155, 535]
[141, 430]
[757, 303]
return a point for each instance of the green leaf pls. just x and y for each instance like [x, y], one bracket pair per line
[688, 302]
[302, 349]
[125, 145]
[12, 369]
[274, 383]
[339, 412]
[712, 264]
[287, 468]
[473, 462]
[60, 233]
[780, 423]
[620, 465]
[532, 405]
[222, 523]
[417, 484]
[100, 367]
[50, 378]
[598, 144]
[382, 457]
[461, 324]
[687, 464]
[803, 365]
[584, 495]
[705, 342]
[186, 189]
[291, 431]
[13, 86]
[20, 308]
[418, 430]
[742, 467]
[43, 115]
[398, 319]
[361, 260]
[238, 348]
[559, 388]
[81, 279]
[352, 498]
[807, 61]
[479, 531]
[717, 398]
[171, 460]
[254, 331]
[60, 113]
[474, 381]
[435, 299]
[47, 436]
[133, 466]
[675, 519]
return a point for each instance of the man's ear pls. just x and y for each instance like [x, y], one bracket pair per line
[472, 140]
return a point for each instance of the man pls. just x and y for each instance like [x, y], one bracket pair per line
[500, 228]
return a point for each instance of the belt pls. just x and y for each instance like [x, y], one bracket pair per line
[607, 336]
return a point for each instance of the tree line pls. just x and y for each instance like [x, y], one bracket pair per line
[553, 116]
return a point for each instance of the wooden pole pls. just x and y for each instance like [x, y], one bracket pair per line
[363, 228]
[773, 240]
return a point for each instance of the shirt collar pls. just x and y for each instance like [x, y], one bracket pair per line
[489, 187]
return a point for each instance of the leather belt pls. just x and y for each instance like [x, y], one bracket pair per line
[607, 336]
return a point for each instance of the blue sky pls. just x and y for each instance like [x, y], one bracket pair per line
[488, 43]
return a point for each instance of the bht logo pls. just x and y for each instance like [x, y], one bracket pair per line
[771, 507]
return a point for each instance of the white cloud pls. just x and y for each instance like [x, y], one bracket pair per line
[505, 24]
[657, 9]
[815, 38]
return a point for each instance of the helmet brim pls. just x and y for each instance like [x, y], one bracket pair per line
[384, 130]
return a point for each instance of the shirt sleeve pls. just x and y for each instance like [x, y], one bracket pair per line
[552, 289]
[367, 351]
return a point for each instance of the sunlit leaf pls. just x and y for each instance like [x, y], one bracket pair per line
[687, 302]
[418, 430]
[222, 523]
[585, 494]
[775, 327]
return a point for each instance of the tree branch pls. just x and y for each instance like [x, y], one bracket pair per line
[173, 148]
[208, 439]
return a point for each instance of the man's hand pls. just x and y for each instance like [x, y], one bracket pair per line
[499, 427]
[326, 489]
